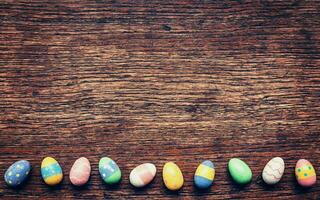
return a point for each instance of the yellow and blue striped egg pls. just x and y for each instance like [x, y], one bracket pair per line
[51, 171]
[204, 175]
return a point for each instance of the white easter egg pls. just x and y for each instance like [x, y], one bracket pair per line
[273, 171]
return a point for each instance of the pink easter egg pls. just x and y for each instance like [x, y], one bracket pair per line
[142, 175]
[80, 171]
[305, 173]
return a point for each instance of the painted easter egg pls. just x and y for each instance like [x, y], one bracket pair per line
[172, 176]
[51, 171]
[273, 171]
[80, 171]
[142, 175]
[204, 174]
[305, 173]
[17, 173]
[109, 171]
[239, 171]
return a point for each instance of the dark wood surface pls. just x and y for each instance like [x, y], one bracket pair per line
[156, 81]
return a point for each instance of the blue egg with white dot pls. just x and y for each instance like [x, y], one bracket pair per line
[17, 173]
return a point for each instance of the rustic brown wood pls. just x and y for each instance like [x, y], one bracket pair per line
[157, 81]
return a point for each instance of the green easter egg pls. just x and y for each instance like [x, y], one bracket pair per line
[239, 171]
[109, 171]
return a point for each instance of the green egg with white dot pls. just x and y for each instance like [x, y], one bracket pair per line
[109, 171]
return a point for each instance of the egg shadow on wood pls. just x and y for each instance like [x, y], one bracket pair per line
[236, 185]
[298, 189]
[115, 186]
[82, 187]
[202, 191]
[54, 187]
[259, 181]
[170, 192]
[139, 190]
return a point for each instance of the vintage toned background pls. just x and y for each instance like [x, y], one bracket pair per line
[157, 81]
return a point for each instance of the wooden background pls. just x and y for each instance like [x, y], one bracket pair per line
[157, 81]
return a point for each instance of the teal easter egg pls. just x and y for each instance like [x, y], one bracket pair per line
[109, 171]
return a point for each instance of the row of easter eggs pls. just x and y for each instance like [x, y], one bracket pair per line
[143, 174]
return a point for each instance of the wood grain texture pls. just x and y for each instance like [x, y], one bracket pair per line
[157, 81]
